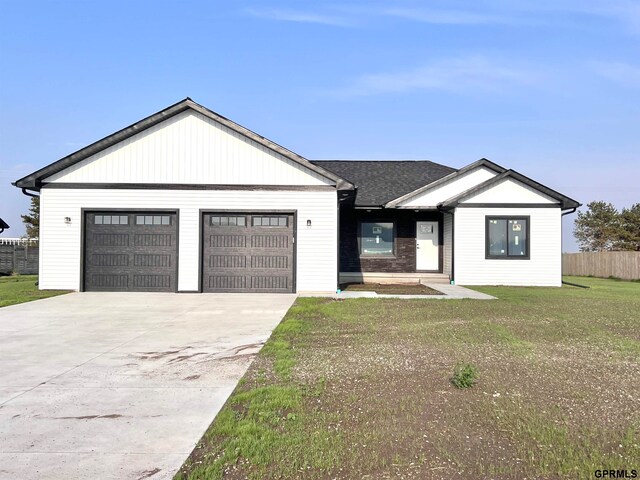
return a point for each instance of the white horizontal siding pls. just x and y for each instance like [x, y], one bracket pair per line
[189, 148]
[60, 243]
[543, 268]
[508, 191]
[447, 240]
[453, 187]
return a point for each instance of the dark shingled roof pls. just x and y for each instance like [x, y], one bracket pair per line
[380, 181]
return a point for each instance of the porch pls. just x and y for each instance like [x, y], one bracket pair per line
[395, 246]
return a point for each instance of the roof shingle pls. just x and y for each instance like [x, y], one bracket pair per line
[380, 181]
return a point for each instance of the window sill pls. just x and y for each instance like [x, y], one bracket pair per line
[507, 258]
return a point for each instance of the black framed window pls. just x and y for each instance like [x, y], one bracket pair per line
[377, 239]
[270, 221]
[507, 237]
[228, 221]
[153, 219]
[111, 220]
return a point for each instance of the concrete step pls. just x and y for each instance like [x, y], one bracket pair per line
[384, 277]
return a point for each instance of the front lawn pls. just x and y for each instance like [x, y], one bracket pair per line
[362, 389]
[23, 288]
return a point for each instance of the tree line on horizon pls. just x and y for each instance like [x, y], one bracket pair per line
[604, 228]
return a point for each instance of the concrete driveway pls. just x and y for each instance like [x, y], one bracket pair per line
[121, 385]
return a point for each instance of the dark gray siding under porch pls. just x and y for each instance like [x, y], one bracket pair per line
[404, 260]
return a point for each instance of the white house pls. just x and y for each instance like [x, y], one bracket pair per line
[188, 201]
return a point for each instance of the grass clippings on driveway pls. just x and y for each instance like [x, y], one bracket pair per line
[391, 289]
[23, 288]
[361, 389]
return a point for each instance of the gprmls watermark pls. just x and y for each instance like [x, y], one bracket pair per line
[623, 473]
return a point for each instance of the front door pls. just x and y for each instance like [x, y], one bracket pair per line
[427, 246]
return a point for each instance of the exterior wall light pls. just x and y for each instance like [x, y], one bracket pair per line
[67, 220]
[308, 223]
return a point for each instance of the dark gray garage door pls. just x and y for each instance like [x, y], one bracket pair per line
[130, 251]
[248, 252]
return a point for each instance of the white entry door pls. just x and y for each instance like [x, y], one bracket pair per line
[427, 246]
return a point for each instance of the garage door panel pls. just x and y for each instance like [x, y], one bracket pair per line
[221, 262]
[228, 282]
[109, 281]
[247, 252]
[109, 260]
[130, 251]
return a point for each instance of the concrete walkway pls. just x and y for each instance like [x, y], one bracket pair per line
[121, 385]
[449, 292]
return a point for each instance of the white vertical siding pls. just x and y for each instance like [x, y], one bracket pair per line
[60, 251]
[440, 193]
[189, 148]
[447, 240]
[544, 266]
[509, 191]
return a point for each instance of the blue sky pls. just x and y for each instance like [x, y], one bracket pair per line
[548, 88]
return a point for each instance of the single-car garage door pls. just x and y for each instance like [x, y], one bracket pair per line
[248, 252]
[130, 251]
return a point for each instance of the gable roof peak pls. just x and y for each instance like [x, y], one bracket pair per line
[33, 181]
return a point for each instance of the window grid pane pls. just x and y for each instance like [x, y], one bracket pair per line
[517, 233]
[279, 221]
[98, 220]
[497, 237]
[228, 221]
[149, 220]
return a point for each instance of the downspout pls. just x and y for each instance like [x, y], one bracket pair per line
[338, 241]
[453, 242]
[568, 212]
[453, 249]
[24, 190]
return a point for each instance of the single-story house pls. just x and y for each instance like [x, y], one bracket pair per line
[186, 200]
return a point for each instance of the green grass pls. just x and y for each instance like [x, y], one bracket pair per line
[348, 389]
[23, 288]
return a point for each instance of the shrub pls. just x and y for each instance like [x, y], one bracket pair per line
[464, 375]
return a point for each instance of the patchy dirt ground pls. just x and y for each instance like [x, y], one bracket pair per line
[391, 289]
[369, 394]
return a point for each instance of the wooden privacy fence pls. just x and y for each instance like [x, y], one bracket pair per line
[602, 264]
[18, 256]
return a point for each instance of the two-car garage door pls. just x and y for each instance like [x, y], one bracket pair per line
[138, 251]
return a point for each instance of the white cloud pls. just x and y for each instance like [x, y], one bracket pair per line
[479, 12]
[619, 72]
[299, 17]
[472, 73]
[447, 17]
